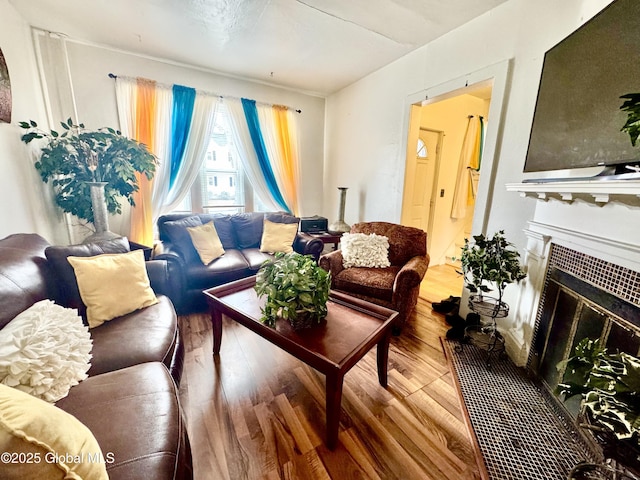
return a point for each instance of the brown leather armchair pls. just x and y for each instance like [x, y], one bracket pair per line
[394, 287]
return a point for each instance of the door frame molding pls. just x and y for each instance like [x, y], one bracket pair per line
[498, 75]
[436, 179]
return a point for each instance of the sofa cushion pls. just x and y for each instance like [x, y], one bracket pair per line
[248, 229]
[404, 242]
[147, 335]
[370, 282]
[231, 266]
[50, 442]
[45, 351]
[224, 228]
[255, 258]
[24, 274]
[180, 238]
[278, 237]
[112, 285]
[68, 294]
[206, 241]
[135, 415]
[364, 250]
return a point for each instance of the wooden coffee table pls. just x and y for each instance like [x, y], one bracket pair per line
[351, 329]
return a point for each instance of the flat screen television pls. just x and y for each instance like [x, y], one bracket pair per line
[577, 118]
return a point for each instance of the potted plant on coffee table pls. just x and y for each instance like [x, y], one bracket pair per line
[90, 170]
[297, 289]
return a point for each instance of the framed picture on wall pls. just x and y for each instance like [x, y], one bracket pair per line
[5, 91]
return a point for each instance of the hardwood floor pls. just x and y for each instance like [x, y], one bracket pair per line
[255, 412]
[440, 282]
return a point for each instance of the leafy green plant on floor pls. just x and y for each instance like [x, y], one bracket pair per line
[73, 157]
[490, 262]
[609, 385]
[295, 287]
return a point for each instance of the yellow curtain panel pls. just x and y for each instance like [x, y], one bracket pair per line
[142, 213]
[287, 144]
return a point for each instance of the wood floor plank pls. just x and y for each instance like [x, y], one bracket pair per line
[256, 412]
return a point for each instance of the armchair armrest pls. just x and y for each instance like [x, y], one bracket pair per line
[411, 274]
[158, 273]
[332, 262]
[175, 271]
[308, 245]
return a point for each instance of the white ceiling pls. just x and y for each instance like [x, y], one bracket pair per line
[315, 46]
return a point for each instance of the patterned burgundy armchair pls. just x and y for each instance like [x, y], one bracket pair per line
[394, 287]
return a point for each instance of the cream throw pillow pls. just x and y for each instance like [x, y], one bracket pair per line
[45, 441]
[278, 237]
[362, 250]
[207, 242]
[112, 284]
[44, 351]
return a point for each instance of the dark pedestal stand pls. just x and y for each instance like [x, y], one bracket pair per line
[485, 335]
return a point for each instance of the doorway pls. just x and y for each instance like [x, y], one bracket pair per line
[431, 177]
[421, 186]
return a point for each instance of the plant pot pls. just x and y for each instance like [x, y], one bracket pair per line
[100, 214]
[626, 452]
[303, 320]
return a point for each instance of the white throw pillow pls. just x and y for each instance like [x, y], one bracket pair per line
[362, 250]
[44, 351]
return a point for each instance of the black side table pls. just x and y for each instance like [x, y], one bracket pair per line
[327, 238]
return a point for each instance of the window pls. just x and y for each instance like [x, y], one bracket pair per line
[220, 186]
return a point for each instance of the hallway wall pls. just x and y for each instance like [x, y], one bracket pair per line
[451, 117]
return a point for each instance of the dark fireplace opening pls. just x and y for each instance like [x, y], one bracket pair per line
[583, 297]
[574, 310]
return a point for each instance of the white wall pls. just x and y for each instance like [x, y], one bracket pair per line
[367, 121]
[23, 207]
[27, 205]
[96, 103]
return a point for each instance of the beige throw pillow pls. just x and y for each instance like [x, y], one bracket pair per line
[206, 241]
[278, 237]
[39, 440]
[112, 285]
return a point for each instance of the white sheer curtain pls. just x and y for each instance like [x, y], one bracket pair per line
[126, 98]
[165, 199]
[204, 111]
[242, 141]
[286, 170]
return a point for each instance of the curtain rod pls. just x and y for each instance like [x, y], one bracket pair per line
[297, 110]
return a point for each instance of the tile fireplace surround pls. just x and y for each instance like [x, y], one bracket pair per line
[599, 238]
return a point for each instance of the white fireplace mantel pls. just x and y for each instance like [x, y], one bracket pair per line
[599, 192]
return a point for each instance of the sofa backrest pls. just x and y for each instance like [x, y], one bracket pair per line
[404, 242]
[238, 231]
[24, 274]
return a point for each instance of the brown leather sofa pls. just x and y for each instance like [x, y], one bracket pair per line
[130, 400]
[240, 235]
[395, 287]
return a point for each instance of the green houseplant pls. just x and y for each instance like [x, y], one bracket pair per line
[488, 263]
[631, 106]
[609, 386]
[74, 158]
[297, 289]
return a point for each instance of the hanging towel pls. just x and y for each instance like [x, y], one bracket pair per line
[470, 156]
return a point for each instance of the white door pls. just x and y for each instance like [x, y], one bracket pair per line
[423, 180]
